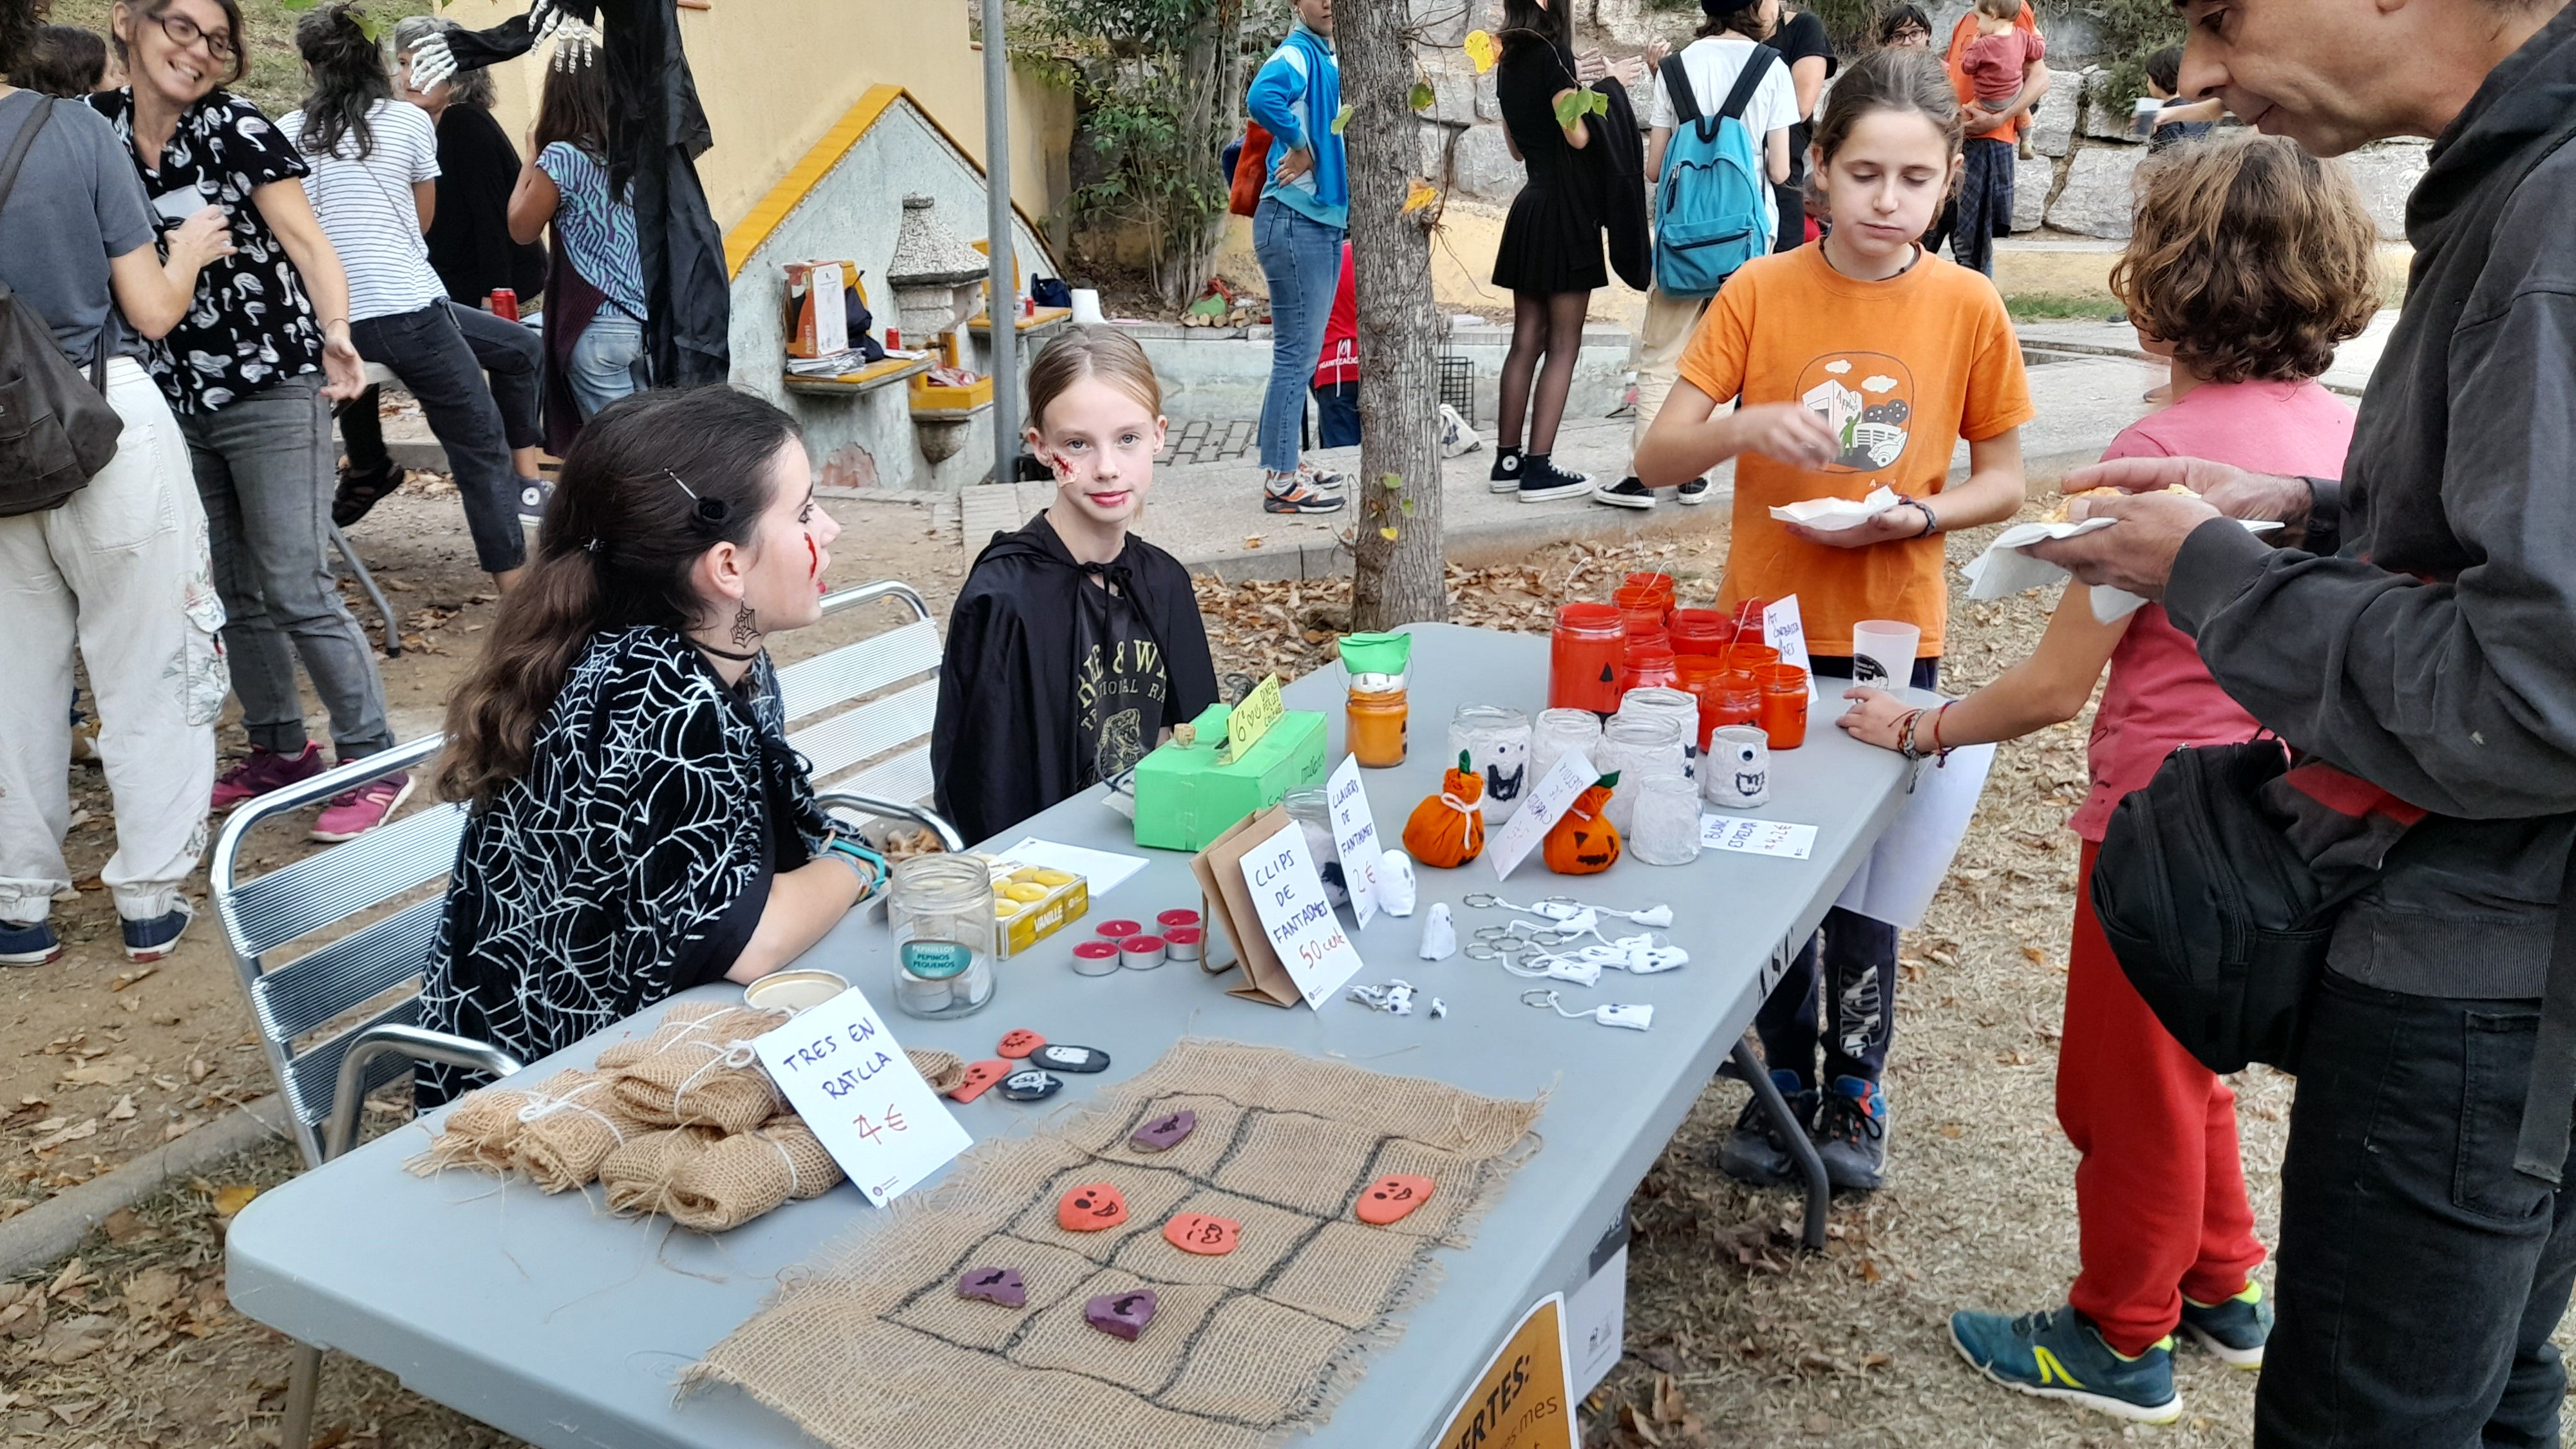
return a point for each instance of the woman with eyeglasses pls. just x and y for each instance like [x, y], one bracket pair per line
[252, 371]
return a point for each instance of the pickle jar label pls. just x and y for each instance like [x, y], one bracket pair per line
[936, 960]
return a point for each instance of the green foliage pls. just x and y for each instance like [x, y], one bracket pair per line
[275, 81]
[2130, 31]
[1574, 105]
[2062, 307]
[1158, 85]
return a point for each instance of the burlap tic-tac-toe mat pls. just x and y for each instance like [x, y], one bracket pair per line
[871, 1348]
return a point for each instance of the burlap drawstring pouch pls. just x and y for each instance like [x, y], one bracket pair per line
[748, 1174]
[479, 1133]
[693, 1021]
[569, 1130]
[638, 1175]
[944, 1071]
[698, 1082]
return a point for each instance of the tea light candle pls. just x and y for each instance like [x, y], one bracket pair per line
[1182, 943]
[920, 997]
[1118, 930]
[1141, 953]
[1095, 958]
[1178, 916]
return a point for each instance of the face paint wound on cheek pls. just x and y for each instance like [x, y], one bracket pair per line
[813, 558]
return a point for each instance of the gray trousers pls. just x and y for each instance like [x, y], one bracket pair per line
[265, 469]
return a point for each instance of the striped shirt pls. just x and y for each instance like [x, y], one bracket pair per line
[367, 210]
[597, 229]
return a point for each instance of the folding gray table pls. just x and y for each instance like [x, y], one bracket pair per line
[548, 1318]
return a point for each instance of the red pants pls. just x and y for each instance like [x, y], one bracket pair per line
[2160, 1193]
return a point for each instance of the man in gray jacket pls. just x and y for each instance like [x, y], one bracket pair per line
[2415, 627]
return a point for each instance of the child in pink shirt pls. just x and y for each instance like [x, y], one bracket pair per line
[1995, 60]
[2249, 298]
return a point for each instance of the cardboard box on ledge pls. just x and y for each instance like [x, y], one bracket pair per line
[1188, 794]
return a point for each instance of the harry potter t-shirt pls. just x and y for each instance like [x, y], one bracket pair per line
[1119, 683]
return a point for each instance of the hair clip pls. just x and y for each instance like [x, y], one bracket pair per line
[709, 512]
[590, 545]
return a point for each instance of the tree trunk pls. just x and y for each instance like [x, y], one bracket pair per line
[1211, 77]
[1398, 579]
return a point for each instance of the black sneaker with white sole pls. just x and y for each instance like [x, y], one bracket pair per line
[1542, 480]
[1694, 492]
[1505, 476]
[1626, 493]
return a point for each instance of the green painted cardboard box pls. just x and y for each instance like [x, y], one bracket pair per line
[1185, 798]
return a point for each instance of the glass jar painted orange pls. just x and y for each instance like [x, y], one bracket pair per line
[1646, 664]
[1376, 734]
[1641, 612]
[1783, 710]
[1751, 658]
[1748, 618]
[1583, 658]
[1654, 581]
[1700, 631]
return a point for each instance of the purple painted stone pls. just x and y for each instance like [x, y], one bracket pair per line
[1123, 1314]
[994, 1285]
[1164, 1132]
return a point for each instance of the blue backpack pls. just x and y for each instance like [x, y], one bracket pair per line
[1709, 213]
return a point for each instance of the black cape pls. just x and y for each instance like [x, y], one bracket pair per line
[1005, 745]
[656, 132]
[1621, 175]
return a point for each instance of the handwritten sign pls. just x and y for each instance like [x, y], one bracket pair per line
[1541, 808]
[1253, 718]
[844, 1074]
[1748, 836]
[1354, 836]
[1297, 917]
[1522, 1400]
[1784, 630]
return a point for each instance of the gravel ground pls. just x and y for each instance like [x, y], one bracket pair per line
[1734, 1336]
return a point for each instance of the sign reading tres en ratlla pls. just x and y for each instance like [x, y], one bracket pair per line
[842, 1071]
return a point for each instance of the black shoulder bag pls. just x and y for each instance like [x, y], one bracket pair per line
[56, 428]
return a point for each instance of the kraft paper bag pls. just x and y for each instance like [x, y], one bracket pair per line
[1219, 868]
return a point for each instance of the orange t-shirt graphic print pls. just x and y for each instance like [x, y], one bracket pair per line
[1900, 370]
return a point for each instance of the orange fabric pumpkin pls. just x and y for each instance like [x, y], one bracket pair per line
[1447, 829]
[1583, 843]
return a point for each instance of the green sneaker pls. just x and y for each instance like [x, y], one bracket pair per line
[2057, 1355]
[2235, 1330]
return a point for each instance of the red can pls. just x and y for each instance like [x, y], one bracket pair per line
[503, 303]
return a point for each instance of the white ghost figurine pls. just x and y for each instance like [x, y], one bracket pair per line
[1395, 884]
[1439, 934]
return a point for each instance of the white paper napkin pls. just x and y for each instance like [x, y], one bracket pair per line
[1833, 515]
[2004, 569]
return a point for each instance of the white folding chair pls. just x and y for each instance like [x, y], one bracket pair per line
[876, 698]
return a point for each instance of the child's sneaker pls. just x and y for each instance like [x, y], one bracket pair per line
[1628, 492]
[1694, 492]
[2234, 1330]
[265, 770]
[2057, 1355]
[1289, 493]
[30, 944]
[1505, 475]
[355, 812]
[1851, 1134]
[1754, 1151]
[153, 939]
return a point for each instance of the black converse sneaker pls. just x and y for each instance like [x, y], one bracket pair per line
[1694, 492]
[1542, 480]
[1506, 474]
[1626, 493]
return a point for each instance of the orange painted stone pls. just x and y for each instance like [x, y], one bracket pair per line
[1091, 1207]
[1019, 1042]
[1391, 1198]
[1209, 1237]
[979, 1075]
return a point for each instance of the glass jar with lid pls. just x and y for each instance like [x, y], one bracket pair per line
[941, 909]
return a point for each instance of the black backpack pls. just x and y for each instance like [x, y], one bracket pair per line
[56, 428]
[2217, 919]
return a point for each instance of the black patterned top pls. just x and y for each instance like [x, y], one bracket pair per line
[251, 322]
[631, 860]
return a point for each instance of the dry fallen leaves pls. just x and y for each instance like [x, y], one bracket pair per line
[231, 1200]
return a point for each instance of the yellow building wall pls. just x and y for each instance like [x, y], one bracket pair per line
[774, 75]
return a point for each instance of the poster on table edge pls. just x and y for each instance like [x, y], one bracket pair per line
[1524, 1399]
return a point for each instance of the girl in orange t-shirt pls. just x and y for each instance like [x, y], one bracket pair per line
[1856, 362]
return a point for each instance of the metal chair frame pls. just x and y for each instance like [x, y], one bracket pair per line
[895, 786]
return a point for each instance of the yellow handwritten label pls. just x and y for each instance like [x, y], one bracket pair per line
[1253, 718]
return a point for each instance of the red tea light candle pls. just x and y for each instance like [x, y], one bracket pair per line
[1095, 958]
[1178, 916]
[1119, 930]
[1184, 943]
[1142, 953]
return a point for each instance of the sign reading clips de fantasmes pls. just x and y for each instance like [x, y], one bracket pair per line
[1297, 916]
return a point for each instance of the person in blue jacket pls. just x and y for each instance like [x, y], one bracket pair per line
[1297, 232]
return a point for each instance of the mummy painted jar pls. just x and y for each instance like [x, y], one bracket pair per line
[1496, 742]
[1735, 774]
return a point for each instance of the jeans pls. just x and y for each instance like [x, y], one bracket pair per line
[120, 573]
[1337, 415]
[1985, 202]
[1302, 260]
[509, 354]
[1858, 976]
[1661, 337]
[2420, 1275]
[263, 465]
[607, 361]
[427, 351]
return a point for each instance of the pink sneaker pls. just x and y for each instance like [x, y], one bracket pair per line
[354, 814]
[263, 771]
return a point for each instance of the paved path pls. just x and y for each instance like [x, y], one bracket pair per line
[2351, 371]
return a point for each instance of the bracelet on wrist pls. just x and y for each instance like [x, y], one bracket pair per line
[1905, 735]
[869, 866]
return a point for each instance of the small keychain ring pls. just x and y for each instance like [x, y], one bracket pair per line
[1546, 999]
[1495, 933]
[1482, 900]
[1481, 951]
